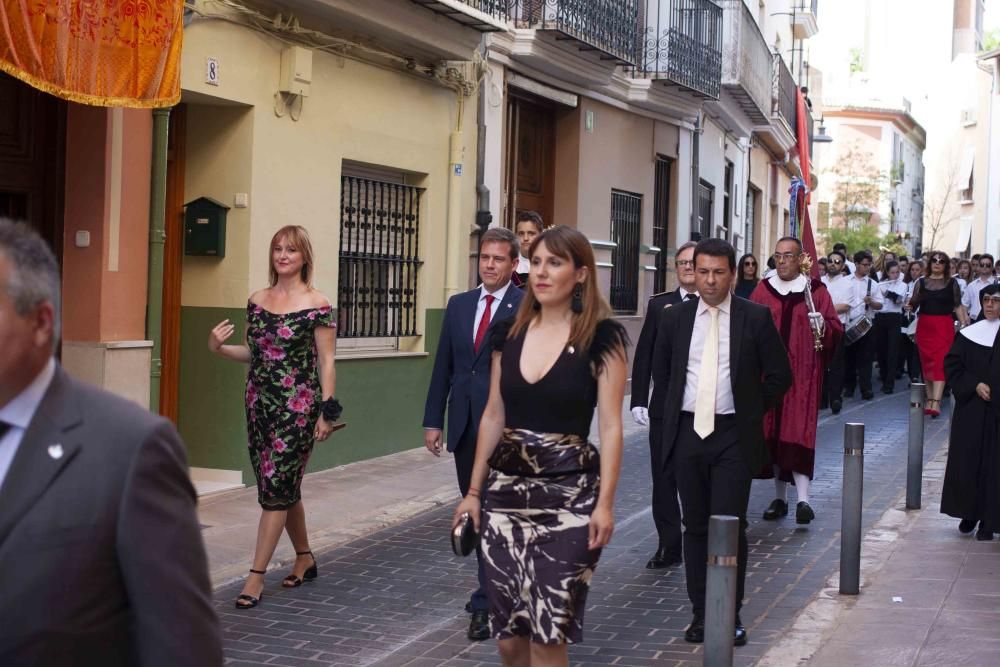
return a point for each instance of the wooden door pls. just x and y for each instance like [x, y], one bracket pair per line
[530, 159]
[173, 255]
[32, 158]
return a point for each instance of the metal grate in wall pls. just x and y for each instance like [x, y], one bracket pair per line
[626, 224]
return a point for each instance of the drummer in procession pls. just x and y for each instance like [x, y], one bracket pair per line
[839, 287]
[807, 322]
[859, 353]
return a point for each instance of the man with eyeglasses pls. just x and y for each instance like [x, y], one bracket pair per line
[970, 297]
[840, 293]
[860, 355]
[666, 510]
[790, 428]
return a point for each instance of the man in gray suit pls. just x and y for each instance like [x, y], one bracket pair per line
[101, 557]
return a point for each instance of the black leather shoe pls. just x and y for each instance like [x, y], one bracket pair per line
[695, 633]
[740, 633]
[479, 626]
[867, 395]
[966, 526]
[887, 389]
[804, 513]
[777, 509]
[835, 407]
[984, 534]
[663, 558]
[468, 607]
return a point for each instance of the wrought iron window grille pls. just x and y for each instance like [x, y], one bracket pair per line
[626, 225]
[379, 258]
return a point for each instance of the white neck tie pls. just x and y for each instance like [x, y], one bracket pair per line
[704, 407]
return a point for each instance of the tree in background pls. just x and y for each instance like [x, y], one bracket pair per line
[858, 188]
[864, 237]
[941, 207]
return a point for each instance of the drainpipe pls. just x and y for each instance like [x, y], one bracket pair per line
[695, 166]
[483, 215]
[157, 236]
[454, 242]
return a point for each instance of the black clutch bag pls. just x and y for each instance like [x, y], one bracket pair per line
[464, 538]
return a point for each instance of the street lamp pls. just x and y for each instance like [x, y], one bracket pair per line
[821, 136]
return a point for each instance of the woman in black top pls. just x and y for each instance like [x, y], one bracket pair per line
[549, 494]
[939, 301]
[747, 280]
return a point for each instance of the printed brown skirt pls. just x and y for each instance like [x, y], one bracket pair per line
[541, 490]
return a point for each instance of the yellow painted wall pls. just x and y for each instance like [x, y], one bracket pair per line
[291, 169]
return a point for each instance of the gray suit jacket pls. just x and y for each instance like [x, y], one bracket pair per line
[101, 555]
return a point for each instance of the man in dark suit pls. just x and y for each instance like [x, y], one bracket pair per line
[461, 376]
[101, 556]
[724, 366]
[666, 511]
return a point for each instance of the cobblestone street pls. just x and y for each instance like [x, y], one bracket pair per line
[395, 597]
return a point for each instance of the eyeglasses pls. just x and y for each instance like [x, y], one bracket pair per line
[835, 261]
[986, 265]
[994, 299]
[749, 263]
[685, 262]
[938, 260]
[785, 256]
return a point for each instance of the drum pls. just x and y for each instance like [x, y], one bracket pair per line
[857, 331]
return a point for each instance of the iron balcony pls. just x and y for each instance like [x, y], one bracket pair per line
[605, 26]
[680, 43]
[746, 62]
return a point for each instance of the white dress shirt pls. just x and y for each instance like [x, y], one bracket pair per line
[840, 292]
[970, 296]
[481, 305]
[859, 289]
[684, 294]
[786, 287]
[897, 286]
[19, 412]
[523, 265]
[724, 404]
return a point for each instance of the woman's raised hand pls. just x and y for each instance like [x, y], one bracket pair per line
[219, 335]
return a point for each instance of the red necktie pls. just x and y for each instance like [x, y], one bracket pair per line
[484, 323]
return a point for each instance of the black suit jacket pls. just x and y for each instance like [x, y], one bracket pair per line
[760, 373]
[642, 362]
[461, 376]
[101, 556]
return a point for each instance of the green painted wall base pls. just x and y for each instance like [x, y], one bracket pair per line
[383, 399]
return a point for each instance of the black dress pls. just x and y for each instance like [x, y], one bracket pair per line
[971, 478]
[542, 487]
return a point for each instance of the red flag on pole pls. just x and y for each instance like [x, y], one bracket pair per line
[802, 136]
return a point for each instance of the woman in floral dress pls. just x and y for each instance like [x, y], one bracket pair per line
[290, 349]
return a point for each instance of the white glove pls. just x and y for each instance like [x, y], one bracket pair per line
[816, 322]
[640, 416]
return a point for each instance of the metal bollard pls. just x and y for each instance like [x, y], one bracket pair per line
[915, 454]
[850, 513]
[720, 590]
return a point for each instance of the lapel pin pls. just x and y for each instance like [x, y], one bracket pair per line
[509, 306]
[56, 451]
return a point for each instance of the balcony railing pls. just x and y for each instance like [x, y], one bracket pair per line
[804, 23]
[496, 9]
[783, 94]
[680, 41]
[746, 61]
[607, 26]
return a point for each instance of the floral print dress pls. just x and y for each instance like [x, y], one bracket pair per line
[283, 399]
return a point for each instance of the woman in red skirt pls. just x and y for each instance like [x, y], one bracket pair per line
[938, 299]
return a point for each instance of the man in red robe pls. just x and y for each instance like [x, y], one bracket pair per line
[790, 429]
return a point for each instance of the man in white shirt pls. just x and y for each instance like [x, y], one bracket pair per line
[970, 296]
[101, 554]
[839, 287]
[860, 355]
[888, 325]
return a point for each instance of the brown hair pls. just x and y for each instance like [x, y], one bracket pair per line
[501, 235]
[532, 217]
[930, 262]
[298, 237]
[571, 245]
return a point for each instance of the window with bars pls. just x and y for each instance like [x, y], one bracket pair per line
[661, 217]
[379, 258]
[626, 221]
[722, 232]
[750, 219]
[706, 202]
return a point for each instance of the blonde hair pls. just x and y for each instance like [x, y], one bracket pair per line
[298, 237]
[572, 246]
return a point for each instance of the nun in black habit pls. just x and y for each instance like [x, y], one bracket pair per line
[972, 478]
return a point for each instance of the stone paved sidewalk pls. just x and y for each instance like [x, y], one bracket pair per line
[395, 596]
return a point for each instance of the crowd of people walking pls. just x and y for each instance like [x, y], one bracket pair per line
[729, 374]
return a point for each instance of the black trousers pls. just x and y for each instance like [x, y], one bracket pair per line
[858, 359]
[833, 385]
[888, 340]
[666, 510]
[465, 456]
[713, 478]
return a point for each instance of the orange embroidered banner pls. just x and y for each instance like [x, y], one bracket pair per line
[100, 52]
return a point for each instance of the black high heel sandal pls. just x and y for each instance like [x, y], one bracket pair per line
[249, 600]
[291, 581]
